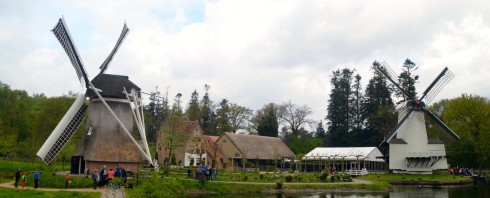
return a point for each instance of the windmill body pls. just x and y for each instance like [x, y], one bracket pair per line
[104, 142]
[410, 150]
[115, 115]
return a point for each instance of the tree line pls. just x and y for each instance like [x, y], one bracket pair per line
[355, 116]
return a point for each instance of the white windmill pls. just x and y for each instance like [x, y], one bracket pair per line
[113, 111]
[410, 150]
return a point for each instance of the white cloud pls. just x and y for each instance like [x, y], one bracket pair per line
[250, 52]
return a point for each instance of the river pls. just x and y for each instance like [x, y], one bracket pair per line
[403, 192]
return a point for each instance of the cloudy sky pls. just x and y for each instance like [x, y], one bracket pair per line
[249, 52]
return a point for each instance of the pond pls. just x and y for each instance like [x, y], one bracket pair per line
[456, 192]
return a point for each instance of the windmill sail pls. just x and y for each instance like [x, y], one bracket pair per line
[104, 65]
[64, 37]
[63, 131]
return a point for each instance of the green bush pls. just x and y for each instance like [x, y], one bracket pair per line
[289, 178]
[323, 176]
[279, 185]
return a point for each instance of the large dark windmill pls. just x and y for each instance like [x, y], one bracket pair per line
[115, 108]
[410, 150]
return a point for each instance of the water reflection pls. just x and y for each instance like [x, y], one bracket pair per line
[397, 192]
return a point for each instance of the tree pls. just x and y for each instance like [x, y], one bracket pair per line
[265, 120]
[208, 119]
[238, 116]
[320, 131]
[295, 116]
[338, 110]
[193, 111]
[357, 121]
[158, 111]
[223, 111]
[378, 110]
[176, 106]
[407, 80]
[469, 116]
[173, 136]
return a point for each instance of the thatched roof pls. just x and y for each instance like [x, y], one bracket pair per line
[260, 147]
[111, 86]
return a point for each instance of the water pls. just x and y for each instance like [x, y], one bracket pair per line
[397, 192]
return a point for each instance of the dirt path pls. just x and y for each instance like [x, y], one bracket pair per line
[105, 193]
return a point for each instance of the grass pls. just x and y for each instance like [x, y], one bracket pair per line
[4, 192]
[410, 177]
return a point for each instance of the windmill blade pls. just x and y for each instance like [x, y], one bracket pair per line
[386, 70]
[393, 133]
[63, 131]
[108, 60]
[441, 124]
[437, 85]
[64, 37]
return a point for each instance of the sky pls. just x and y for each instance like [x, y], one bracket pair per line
[249, 52]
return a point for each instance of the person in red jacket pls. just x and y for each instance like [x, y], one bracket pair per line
[67, 180]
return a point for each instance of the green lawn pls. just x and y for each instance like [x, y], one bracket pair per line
[4, 192]
[410, 177]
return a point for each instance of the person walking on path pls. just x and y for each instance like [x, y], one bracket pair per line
[17, 177]
[95, 178]
[24, 180]
[215, 172]
[36, 179]
[67, 180]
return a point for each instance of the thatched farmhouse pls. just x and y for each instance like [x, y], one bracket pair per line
[253, 151]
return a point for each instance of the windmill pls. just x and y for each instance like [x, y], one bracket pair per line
[410, 150]
[115, 107]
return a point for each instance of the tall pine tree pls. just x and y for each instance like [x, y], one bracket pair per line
[377, 109]
[338, 114]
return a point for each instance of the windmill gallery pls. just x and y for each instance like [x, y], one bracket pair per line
[115, 117]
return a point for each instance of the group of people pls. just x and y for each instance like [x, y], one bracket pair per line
[105, 176]
[461, 171]
[204, 170]
[23, 176]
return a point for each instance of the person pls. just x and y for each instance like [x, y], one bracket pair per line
[24, 180]
[103, 177]
[67, 180]
[110, 175]
[17, 177]
[209, 173]
[215, 172]
[36, 179]
[124, 174]
[117, 173]
[95, 178]
[189, 172]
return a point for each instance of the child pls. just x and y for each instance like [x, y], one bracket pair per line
[23, 178]
[67, 180]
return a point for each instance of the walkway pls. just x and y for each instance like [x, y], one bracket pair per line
[105, 193]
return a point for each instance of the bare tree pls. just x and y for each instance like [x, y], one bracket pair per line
[295, 116]
[238, 116]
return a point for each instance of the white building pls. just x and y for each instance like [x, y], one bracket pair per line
[345, 159]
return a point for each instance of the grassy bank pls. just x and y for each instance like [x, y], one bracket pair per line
[4, 192]
[409, 177]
